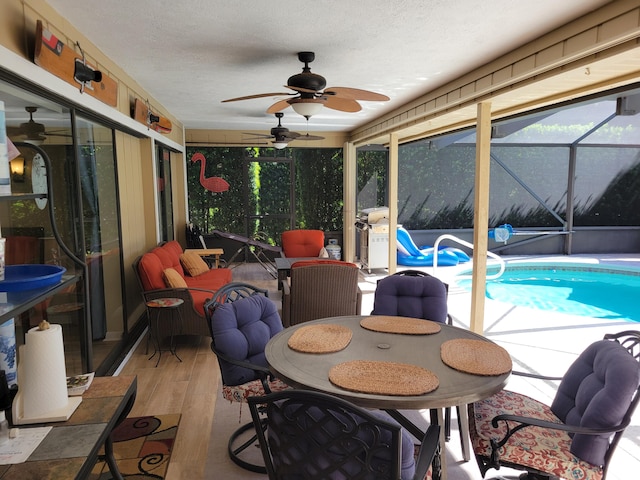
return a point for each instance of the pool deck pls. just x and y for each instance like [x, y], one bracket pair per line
[538, 341]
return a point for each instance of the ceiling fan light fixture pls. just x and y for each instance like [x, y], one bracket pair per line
[280, 144]
[307, 107]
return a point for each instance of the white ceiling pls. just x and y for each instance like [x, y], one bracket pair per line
[191, 54]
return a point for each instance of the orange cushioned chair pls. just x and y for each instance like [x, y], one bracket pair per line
[302, 243]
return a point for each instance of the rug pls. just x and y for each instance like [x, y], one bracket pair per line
[142, 447]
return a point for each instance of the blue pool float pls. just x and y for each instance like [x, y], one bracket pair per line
[411, 256]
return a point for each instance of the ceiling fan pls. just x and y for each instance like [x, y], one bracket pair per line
[281, 136]
[310, 95]
[32, 130]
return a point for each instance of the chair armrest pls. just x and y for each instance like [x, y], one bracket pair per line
[173, 292]
[263, 373]
[524, 422]
[428, 448]
[359, 302]
[534, 375]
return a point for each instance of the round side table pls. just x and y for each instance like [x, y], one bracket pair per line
[169, 306]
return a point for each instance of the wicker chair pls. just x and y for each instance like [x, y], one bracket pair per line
[319, 289]
[191, 311]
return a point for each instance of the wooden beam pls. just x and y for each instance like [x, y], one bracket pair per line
[393, 202]
[481, 217]
[348, 210]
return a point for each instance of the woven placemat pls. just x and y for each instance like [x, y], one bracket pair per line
[321, 338]
[476, 356]
[406, 325]
[383, 378]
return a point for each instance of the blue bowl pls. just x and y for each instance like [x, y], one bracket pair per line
[29, 277]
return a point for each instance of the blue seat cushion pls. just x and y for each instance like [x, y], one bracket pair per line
[416, 297]
[241, 330]
[596, 392]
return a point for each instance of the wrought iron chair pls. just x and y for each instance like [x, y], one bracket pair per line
[416, 294]
[242, 319]
[313, 435]
[576, 435]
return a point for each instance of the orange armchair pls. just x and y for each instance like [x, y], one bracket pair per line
[302, 243]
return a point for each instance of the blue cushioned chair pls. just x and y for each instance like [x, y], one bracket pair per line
[316, 436]
[416, 294]
[412, 293]
[576, 436]
[242, 319]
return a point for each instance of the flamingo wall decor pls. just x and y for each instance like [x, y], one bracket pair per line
[213, 184]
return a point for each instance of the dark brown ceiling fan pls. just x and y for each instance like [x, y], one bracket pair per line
[281, 136]
[310, 95]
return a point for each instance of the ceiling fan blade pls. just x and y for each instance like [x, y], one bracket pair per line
[342, 104]
[258, 135]
[309, 137]
[259, 95]
[291, 135]
[356, 94]
[301, 89]
[278, 106]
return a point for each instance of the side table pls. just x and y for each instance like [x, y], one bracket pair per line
[160, 306]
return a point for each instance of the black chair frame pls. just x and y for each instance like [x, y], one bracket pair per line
[227, 294]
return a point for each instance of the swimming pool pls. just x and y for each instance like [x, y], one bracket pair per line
[597, 291]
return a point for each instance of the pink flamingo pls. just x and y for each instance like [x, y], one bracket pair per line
[213, 184]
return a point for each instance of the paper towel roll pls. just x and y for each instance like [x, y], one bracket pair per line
[43, 377]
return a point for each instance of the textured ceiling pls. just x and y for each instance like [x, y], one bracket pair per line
[191, 54]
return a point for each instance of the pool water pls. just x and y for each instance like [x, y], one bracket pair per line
[583, 290]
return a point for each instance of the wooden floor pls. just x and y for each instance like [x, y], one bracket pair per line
[189, 387]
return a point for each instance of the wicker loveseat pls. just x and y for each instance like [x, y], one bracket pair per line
[166, 271]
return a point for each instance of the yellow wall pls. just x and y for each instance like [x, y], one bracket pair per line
[135, 155]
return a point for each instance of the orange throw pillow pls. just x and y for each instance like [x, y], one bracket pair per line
[193, 264]
[173, 279]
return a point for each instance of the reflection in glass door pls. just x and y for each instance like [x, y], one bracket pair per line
[101, 220]
[165, 201]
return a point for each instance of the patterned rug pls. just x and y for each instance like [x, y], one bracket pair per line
[142, 447]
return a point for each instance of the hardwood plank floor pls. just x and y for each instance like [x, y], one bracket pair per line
[189, 387]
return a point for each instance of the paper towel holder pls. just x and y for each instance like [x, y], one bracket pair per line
[32, 404]
[60, 415]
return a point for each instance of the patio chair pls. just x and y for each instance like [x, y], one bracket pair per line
[302, 243]
[416, 294]
[313, 435]
[242, 319]
[318, 289]
[576, 436]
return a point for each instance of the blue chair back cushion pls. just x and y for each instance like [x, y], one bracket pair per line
[241, 330]
[596, 392]
[303, 435]
[416, 297]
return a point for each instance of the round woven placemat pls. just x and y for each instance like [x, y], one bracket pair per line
[406, 325]
[383, 378]
[321, 338]
[475, 356]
